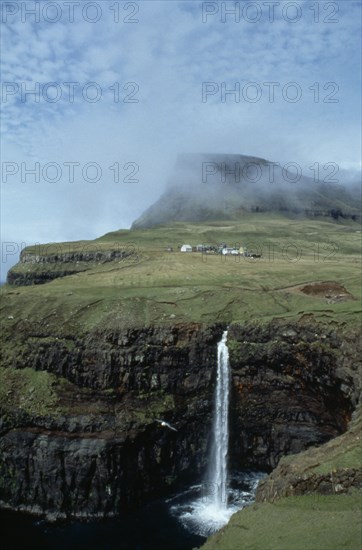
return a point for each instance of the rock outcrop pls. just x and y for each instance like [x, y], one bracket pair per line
[332, 469]
[99, 450]
[43, 266]
[294, 386]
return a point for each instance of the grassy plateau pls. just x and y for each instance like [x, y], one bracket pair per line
[307, 268]
[154, 286]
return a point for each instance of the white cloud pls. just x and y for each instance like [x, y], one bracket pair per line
[169, 53]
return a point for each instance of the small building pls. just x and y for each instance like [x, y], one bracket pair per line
[186, 248]
[225, 251]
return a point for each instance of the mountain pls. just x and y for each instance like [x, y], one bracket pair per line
[208, 187]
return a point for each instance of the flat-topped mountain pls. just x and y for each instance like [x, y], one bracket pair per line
[209, 187]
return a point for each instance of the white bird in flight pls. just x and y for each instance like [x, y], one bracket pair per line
[165, 424]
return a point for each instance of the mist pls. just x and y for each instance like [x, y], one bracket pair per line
[208, 187]
[151, 101]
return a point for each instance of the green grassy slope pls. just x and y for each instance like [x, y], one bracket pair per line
[310, 522]
[154, 286]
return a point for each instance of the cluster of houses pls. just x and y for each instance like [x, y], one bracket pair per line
[220, 249]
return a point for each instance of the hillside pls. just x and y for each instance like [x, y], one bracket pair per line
[129, 277]
[100, 338]
[211, 187]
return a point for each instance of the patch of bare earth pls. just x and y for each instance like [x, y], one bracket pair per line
[331, 291]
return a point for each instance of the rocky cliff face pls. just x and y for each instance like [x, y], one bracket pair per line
[333, 468]
[41, 267]
[294, 386]
[102, 449]
[99, 448]
[171, 359]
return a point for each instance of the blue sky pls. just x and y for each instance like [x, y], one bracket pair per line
[162, 52]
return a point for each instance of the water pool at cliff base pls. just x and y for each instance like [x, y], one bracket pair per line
[181, 522]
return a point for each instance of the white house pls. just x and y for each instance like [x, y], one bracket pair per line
[233, 251]
[186, 248]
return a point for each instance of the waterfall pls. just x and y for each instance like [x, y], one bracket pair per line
[212, 510]
[218, 467]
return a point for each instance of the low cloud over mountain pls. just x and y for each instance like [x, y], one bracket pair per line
[224, 187]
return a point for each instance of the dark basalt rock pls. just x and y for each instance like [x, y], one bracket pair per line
[293, 386]
[331, 469]
[16, 278]
[46, 267]
[87, 476]
[175, 359]
[97, 465]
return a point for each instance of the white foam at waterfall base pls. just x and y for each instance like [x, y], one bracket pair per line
[212, 510]
[204, 518]
[198, 513]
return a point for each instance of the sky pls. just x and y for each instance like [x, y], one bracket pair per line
[99, 98]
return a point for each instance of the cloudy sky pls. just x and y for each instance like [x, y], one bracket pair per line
[99, 98]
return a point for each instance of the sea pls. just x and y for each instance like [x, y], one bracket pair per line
[182, 521]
